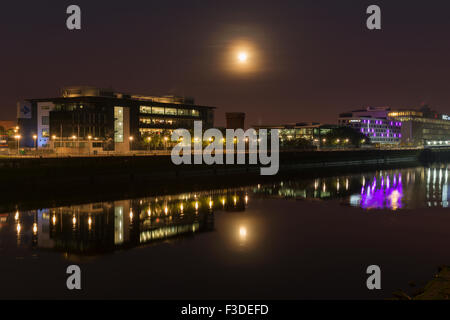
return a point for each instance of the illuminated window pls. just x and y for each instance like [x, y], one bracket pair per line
[171, 111]
[118, 124]
[183, 112]
[157, 110]
[145, 109]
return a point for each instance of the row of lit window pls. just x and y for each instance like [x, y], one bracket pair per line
[169, 111]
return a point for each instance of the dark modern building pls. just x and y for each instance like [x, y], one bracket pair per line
[87, 113]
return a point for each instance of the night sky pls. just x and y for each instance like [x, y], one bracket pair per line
[310, 60]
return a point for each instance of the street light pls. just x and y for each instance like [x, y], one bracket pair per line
[149, 139]
[165, 142]
[35, 141]
[18, 137]
[131, 143]
[89, 146]
[74, 137]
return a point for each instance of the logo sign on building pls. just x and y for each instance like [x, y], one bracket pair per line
[24, 110]
[445, 117]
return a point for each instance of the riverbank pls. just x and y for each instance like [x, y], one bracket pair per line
[438, 288]
[32, 181]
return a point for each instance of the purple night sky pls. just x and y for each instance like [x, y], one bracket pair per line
[312, 59]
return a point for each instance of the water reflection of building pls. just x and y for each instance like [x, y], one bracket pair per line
[104, 227]
[384, 190]
[388, 189]
[319, 188]
[437, 192]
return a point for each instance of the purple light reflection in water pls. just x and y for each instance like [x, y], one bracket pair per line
[383, 197]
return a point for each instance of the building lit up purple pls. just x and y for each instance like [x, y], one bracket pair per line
[374, 123]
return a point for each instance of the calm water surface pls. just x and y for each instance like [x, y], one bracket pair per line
[300, 239]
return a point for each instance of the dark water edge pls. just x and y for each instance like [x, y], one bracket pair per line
[33, 182]
[293, 239]
[115, 188]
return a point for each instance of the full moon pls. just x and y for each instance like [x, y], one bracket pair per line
[243, 56]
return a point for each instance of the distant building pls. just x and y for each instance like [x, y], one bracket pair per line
[235, 120]
[89, 113]
[380, 130]
[408, 127]
[7, 125]
[369, 112]
[311, 131]
[423, 127]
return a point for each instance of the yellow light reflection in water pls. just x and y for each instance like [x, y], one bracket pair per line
[242, 233]
[395, 196]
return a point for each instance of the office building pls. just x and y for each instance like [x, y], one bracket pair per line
[311, 131]
[381, 131]
[423, 127]
[117, 120]
[412, 127]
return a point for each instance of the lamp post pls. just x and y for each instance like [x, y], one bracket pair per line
[35, 142]
[54, 143]
[17, 137]
[131, 143]
[74, 137]
[89, 144]
[149, 139]
[165, 143]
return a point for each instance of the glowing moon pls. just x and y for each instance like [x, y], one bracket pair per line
[242, 57]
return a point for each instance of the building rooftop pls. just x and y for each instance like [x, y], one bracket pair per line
[94, 93]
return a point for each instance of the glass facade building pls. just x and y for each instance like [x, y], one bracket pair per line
[423, 127]
[420, 127]
[84, 112]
